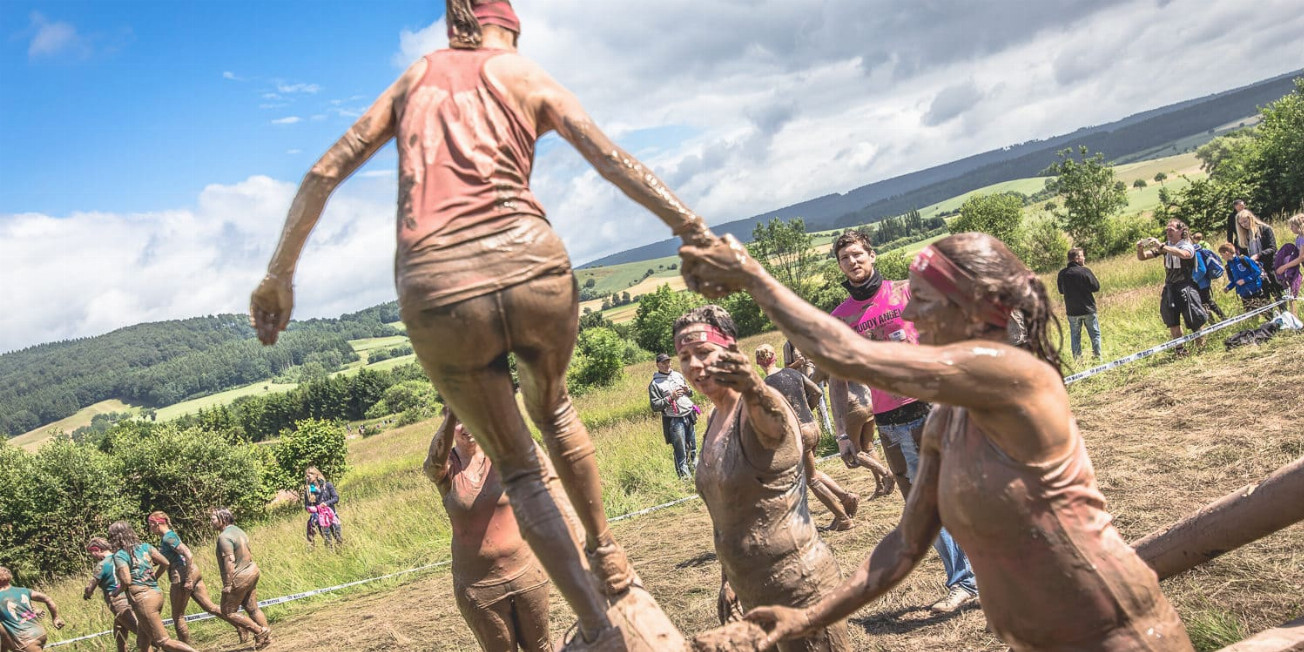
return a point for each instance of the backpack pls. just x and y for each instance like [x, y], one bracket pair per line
[1210, 262]
[1287, 253]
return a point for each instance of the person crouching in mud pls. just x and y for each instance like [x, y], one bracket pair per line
[804, 396]
[1002, 466]
[751, 478]
[500, 587]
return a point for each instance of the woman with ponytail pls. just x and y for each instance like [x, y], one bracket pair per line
[137, 567]
[481, 274]
[1002, 464]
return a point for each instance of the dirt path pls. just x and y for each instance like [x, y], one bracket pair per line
[1162, 446]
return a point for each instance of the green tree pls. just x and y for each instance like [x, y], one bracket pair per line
[1045, 246]
[1139, 183]
[656, 317]
[1091, 195]
[893, 265]
[590, 282]
[747, 316]
[999, 215]
[313, 442]
[1278, 159]
[785, 249]
[1160, 177]
[598, 360]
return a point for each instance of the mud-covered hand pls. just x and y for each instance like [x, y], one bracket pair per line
[727, 607]
[270, 306]
[781, 623]
[720, 269]
[732, 368]
[58, 623]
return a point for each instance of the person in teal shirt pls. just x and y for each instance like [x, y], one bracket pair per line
[187, 582]
[17, 618]
[104, 578]
[137, 567]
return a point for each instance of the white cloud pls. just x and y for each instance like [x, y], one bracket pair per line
[231, 76]
[287, 120]
[293, 151]
[93, 272]
[282, 87]
[379, 174]
[55, 38]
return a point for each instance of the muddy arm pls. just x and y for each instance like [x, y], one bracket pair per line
[37, 596]
[1247, 514]
[436, 464]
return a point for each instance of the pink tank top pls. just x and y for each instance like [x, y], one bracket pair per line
[465, 154]
[879, 319]
[1053, 572]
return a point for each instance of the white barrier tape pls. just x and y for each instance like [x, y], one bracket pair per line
[273, 601]
[1170, 344]
[678, 501]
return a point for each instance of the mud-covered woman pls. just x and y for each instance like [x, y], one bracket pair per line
[137, 567]
[105, 579]
[751, 478]
[1002, 462]
[480, 272]
[499, 585]
[186, 581]
[240, 573]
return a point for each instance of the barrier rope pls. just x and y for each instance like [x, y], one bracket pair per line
[1171, 344]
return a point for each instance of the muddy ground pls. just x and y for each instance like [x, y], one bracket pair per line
[1163, 444]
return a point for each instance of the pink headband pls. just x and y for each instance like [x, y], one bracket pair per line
[157, 519]
[934, 267]
[708, 333]
[497, 12]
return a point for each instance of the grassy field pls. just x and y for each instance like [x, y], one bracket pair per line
[32, 439]
[618, 278]
[1166, 436]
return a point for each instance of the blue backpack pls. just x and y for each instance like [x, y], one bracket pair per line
[1209, 263]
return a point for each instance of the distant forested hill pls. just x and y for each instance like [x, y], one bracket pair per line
[160, 363]
[1137, 135]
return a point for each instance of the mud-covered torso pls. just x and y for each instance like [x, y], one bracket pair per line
[138, 563]
[764, 536]
[1053, 572]
[487, 544]
[468, 223]
[17, 615]
[236, 542]
[792, 384]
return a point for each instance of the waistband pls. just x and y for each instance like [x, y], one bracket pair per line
[904, 414]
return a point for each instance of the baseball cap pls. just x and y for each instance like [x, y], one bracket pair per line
[662, 357]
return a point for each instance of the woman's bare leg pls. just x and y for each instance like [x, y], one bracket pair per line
[179, 598]
[841, 521]
[240, 622]
[863, 431]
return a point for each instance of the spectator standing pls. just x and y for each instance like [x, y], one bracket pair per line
[1208, 266]
[669, 395]
[1291, 273]
[319, 500]
[1180, 300]
[1079, 287]
[1258, 241]
[1245, 276]
[1237, 207]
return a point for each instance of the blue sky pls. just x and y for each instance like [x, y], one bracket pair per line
[129, 107]
[149, 150]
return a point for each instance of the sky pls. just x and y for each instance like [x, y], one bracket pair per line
[149, 150]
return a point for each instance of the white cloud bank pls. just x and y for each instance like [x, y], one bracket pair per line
[740, 107]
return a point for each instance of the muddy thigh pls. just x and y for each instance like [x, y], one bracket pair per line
[507, 614]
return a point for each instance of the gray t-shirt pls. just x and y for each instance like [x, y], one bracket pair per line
[659, 393]
[1176, 268]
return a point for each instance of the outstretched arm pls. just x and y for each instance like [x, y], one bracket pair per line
[436, 464]
[892, 560]
[767, 411]
[557, 109]
[273, 300]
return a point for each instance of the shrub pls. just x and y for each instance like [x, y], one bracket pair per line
[1045, 246]
[656, 316]
[1121, 232]
[187, 471]
[598, 360]
[402, 397]
[893, 265]
[313, 442]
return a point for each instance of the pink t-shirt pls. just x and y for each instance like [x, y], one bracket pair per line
[879, 318]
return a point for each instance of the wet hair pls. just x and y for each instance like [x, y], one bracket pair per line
[223, 516]
[766, 352]
[850, 237]
[1000, 277]
[1074, 253]
[123, 536]
[6, 576]
[1227, 247]
[709, 314]
[98, 543]
[466, 31]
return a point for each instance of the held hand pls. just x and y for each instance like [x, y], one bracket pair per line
[719, 269]
[733, 369]
[781, 623]
[269, 308]
[847, 451]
